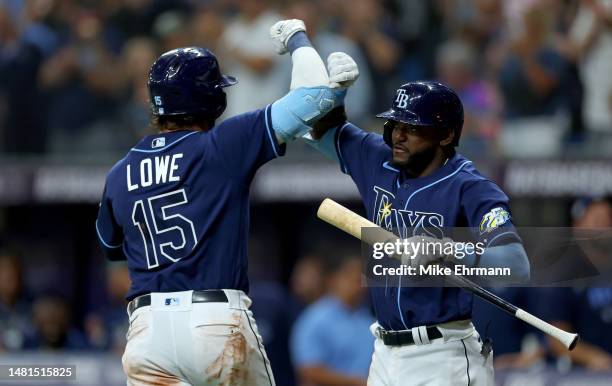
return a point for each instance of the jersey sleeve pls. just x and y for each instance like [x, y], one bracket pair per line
[359, 152]
[245, 142]
[488, 214]
[110, 234]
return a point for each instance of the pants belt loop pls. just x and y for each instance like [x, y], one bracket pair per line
[377, 332]
[234, 299]
[415, 336]
[423, 334]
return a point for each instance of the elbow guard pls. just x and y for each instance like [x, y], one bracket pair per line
[295, 113]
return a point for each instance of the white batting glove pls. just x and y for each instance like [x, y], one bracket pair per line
[343, 70]
[282, 31]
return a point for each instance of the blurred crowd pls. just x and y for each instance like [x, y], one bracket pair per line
[534, 77]
[533, 74]
[315, 322]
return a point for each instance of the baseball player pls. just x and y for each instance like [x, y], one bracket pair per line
[176, 208]
[411, 178]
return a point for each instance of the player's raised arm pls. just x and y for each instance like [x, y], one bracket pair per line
[310, 97]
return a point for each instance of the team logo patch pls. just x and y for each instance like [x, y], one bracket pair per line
[158, 142]
[495, 218]
[171, 302]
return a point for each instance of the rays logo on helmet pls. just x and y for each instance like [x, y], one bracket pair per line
[401, 99]
[495, 218]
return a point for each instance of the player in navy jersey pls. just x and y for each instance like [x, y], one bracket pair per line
[412, 179]
[176, 208]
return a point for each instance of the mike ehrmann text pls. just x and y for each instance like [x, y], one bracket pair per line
[436, 270]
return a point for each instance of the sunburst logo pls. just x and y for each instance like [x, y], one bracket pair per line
[385, 211]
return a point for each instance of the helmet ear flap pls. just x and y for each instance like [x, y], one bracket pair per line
[388, 132]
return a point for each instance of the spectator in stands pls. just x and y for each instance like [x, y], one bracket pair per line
[81, 73]
[133, 18]
[331, 343]
[591, 42]
[173, 30]
[52, 327]
[14, 304]
[306, 281]
[23, 48]
[207, 26]
[475, 21]
[587, 310]
[106, 328]
[530, 78]
[573, 86]
[359, 101]
[249, 55]
[368, 24]
[456, 63]
[136, 57]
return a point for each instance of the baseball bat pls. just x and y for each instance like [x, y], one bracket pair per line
[352, 223]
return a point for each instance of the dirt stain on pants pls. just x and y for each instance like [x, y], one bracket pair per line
[231, 366]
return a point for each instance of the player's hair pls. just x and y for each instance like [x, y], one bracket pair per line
[181, 122]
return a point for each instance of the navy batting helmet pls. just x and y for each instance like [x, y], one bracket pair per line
[188, 81]
[425, 104]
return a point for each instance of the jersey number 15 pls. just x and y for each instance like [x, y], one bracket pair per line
[164, 234]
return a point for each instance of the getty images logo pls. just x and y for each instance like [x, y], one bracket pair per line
[401, 100]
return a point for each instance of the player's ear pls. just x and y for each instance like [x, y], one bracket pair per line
[450, 136]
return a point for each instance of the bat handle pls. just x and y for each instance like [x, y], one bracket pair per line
[568, 339]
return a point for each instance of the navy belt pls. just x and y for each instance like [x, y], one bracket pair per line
[206, 296]
[404, 338]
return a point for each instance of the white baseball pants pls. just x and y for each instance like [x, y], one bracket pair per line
[454, 359]
[195, 344]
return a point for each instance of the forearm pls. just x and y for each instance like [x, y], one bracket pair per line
[310, 97]
[511, 256]
[308, 68]
[326, 144]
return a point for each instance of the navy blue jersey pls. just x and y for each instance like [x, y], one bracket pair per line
[177, 206]
[455, 195]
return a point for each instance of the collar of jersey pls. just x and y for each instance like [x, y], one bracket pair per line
[181, 134]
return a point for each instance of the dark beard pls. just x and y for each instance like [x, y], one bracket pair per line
[417, 162]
